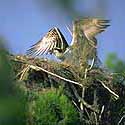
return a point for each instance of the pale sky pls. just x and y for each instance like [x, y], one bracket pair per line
[23, 22]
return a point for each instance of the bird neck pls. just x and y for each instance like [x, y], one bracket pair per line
[58, 54]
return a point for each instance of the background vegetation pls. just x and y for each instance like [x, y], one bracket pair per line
[37, 99]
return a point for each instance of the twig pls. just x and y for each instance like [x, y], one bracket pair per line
[19, 74]
[62, 78]
[93, 60]
[50, 73]
[83, 92]
[96, 121]
[102, 110]
[82, 100]
[25, 70]
[121, 119]
[87, 69]
[113, 93]
[76, 105]
[87, 114]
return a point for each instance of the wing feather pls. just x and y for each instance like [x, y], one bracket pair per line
[92, 27]
[52, 40]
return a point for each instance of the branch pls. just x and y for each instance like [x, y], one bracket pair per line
[102, 110]
[113, 93]
[83, 101]
[50, 73]
[121, 119]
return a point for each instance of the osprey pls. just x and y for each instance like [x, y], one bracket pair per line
[54, 42]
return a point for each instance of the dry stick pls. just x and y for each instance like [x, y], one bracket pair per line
[93, 60]
[113, 93]
[39, 68]
[82, 100]
[25, 70]
[76, 105]
[121, 119]
[96, 121]
[22, 72]
[85, 76]
[19, 73]
[62, 78]
[88, 69]
[87, 113]
[102, 110]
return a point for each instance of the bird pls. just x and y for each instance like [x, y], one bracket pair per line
[53, 42]
[84, 42]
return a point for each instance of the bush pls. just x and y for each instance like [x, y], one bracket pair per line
[51, 107]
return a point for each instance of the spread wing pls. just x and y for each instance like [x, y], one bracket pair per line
[53, 40]
[92, 27]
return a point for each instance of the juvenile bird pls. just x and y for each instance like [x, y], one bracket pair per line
[54, 42]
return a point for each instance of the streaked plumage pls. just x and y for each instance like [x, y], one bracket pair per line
[92, 27]
[54, 42]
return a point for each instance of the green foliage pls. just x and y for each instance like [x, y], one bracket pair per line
[118, 107]
[11, 106]
[36, 98]
[51, 107]
[115, 64]
[5, 72]
[46, 105]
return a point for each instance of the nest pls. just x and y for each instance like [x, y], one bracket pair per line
[97, 94]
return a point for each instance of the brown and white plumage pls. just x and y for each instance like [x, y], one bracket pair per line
[54, 42]
[93, 27]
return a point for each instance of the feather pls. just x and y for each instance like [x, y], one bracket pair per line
[52, 40]
[92, 27]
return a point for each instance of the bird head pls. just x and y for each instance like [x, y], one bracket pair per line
[58, 54]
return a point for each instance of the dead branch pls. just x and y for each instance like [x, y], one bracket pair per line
[113, 93]
[83, 101]
[37, 68]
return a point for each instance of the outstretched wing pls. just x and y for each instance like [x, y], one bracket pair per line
[92, 27]
[53, 40]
